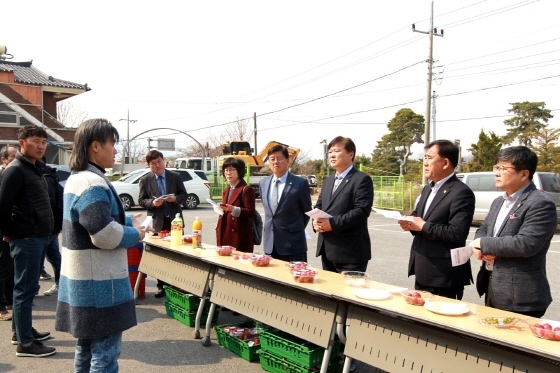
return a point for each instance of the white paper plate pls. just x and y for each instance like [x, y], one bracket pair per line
[372, 294]
[447, 308]
[397, 291]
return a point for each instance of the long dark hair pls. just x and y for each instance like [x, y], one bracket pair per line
[91, 130]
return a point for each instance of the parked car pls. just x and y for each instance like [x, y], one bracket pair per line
[485, 191]
[197, 188]
[62, 171]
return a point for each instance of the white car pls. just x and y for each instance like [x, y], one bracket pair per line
[128, 189]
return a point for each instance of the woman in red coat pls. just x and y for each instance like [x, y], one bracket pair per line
[234, 226]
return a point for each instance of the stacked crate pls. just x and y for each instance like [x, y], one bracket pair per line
[134, 255]
[183, 306]
[284, 353]
[241, 338]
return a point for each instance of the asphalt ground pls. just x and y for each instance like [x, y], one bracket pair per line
[159, 343]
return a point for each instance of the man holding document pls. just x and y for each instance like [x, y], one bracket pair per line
[344, 243]
[514, 239]
[162, 193]
[441, 222]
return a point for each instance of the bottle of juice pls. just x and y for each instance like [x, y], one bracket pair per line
[177, 231]
[197, 234]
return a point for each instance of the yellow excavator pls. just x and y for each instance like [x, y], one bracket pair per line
[243, 150]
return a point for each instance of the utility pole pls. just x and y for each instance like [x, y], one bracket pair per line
[128, 121]
[434, 137]
[255, 130]
[431, 32]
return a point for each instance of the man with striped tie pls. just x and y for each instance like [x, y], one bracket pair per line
[344, 243]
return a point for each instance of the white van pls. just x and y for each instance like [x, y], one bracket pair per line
[485, 191]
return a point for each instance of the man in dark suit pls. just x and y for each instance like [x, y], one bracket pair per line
[442, 220]
[157, 183]
[515, 237]
[344, 243]
[286, 198]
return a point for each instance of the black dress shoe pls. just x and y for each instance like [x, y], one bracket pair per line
[160, 293]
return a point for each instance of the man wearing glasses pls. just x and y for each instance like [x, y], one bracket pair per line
[285, 198]
[515, 237]
[441, 222]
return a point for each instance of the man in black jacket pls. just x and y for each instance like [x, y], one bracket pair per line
[26, 222]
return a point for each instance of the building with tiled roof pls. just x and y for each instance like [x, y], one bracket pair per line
[29, 96]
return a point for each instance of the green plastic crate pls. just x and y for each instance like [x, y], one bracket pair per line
[187, 318]
[296, 349]
[189, 302]
[276, 364]
[239, 346]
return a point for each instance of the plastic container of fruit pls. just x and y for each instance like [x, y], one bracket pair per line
[260, 260]
[296, 265]
[546, 329]
[416, 297]
[224, 250]
[355, 278]
[304, 275]
[187, 238]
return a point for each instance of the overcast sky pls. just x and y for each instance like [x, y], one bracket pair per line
[195, 65]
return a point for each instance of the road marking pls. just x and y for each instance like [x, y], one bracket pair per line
[552, 251]
[383, 225]
[554, 241]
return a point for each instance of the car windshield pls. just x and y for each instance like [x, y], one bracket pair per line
[129, 177]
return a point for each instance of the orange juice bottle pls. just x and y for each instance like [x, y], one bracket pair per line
[197, 234]
[177, 231]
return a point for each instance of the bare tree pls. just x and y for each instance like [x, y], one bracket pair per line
[69, 114]
[137, 149]
[241, 130]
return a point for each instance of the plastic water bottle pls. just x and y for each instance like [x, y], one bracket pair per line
[177, 231]
[197, 234]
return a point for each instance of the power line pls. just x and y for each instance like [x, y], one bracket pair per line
[499, 86]
[488, 14]
[509, 50]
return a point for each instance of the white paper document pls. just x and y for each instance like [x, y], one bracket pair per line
[318, 214]
[460, 255]
[164, 196]
[391, 214]
[215, 206]
[147, 223]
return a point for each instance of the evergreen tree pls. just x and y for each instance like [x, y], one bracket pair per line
[484, 152]
[544, 144]
[529, 117]
[392, 151]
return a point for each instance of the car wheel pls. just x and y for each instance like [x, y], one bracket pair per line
[126, 201]
[191, 202]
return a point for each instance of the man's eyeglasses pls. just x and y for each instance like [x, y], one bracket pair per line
[502, 169]
[279, 159]
[229, 170]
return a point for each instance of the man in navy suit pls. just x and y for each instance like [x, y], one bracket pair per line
[286, 198]
[344, 243]
[157, 183]
[515, 237]
[442, 220]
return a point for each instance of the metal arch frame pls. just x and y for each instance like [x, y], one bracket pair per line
[164, 128]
